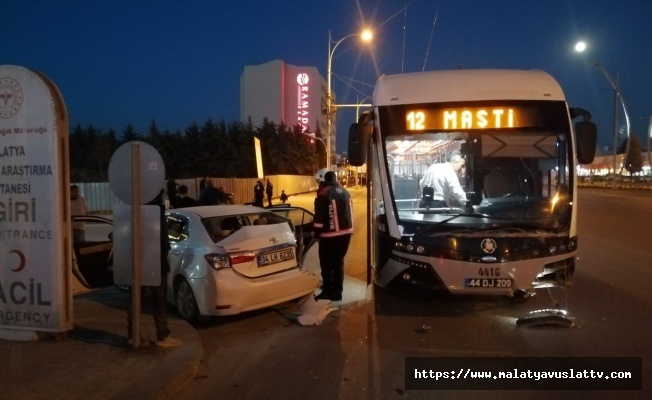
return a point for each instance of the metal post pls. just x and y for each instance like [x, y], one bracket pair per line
[615, 155]
[649, 151]
[329, 104]
[330, 107]
[135, 252]
[618, 96]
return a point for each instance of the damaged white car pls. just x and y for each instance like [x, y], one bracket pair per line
[229, 259]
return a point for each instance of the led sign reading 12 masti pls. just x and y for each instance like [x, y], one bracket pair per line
[469, 118]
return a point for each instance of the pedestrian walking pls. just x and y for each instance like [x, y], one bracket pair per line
[333, 226]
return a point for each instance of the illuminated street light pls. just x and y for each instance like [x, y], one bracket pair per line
[581, 46]
[331, 108]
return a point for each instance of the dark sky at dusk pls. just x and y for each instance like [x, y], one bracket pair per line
[178, 62]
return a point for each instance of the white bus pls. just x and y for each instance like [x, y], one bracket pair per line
[517, 226]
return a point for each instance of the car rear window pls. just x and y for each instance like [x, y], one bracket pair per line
[221, 227]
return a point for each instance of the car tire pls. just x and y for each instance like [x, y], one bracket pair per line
[185, 302]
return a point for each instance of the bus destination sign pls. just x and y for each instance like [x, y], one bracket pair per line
[469, 118]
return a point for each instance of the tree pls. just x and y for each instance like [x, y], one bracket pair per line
[129, 134]
[214, 149]
[634, 161]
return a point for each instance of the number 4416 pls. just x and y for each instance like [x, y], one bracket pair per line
[489, 272]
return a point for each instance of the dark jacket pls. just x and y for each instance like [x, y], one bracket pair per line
[333, 211]
[186, 201]
[165, 244]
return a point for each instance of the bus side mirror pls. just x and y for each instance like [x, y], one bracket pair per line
[359, 137]
[586, 134]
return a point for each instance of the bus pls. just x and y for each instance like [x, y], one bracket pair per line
[516, 230]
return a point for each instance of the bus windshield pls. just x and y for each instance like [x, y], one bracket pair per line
[472, 167]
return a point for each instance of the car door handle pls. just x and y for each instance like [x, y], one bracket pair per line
[175, 252]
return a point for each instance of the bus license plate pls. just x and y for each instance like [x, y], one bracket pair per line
[275, 257]
[488, 283]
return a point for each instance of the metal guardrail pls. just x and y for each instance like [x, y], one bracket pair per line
[638, 183]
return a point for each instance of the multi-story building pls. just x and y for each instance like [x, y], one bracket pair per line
[284, 93]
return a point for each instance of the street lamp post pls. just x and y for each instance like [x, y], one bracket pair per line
[649, 138]
[580, 47]
[359, 104]
[330, 107]
[618, 96]
[322, 142]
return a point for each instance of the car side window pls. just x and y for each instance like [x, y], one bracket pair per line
[298, 217]
[177, 228]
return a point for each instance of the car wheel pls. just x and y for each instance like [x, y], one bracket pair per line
[185, 302]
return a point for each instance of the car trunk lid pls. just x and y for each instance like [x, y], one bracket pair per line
[261, 250]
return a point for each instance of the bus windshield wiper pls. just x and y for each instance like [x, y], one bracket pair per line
[432, 226]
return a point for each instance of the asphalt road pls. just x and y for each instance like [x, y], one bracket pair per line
[361, 353]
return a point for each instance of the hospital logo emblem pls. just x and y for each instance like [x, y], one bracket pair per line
[11, 97]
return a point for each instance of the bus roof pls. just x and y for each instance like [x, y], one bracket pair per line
[466, 85]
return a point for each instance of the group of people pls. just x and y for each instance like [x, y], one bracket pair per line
[209, 195]
[260, 191]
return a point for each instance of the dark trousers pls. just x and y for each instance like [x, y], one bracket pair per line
[157, 297]
[331, 260]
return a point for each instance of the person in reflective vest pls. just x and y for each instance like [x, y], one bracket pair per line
[333, 226]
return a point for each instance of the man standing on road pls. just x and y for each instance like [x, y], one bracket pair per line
[333, 226]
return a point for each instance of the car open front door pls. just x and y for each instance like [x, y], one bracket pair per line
[92, 262]
[302, 221]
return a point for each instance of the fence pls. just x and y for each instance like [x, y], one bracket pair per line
[101, 199]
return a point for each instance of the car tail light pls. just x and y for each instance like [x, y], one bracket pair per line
[242, 257]
[218, 261]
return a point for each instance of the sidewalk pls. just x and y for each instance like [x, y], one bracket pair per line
[93, 362]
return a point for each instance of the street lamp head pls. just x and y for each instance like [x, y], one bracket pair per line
[580, 47]
[367, 35]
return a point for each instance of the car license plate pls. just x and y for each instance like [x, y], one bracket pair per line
[488, 283]
[275, 257]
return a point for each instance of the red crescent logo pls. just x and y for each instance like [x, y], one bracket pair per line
[22, 260]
